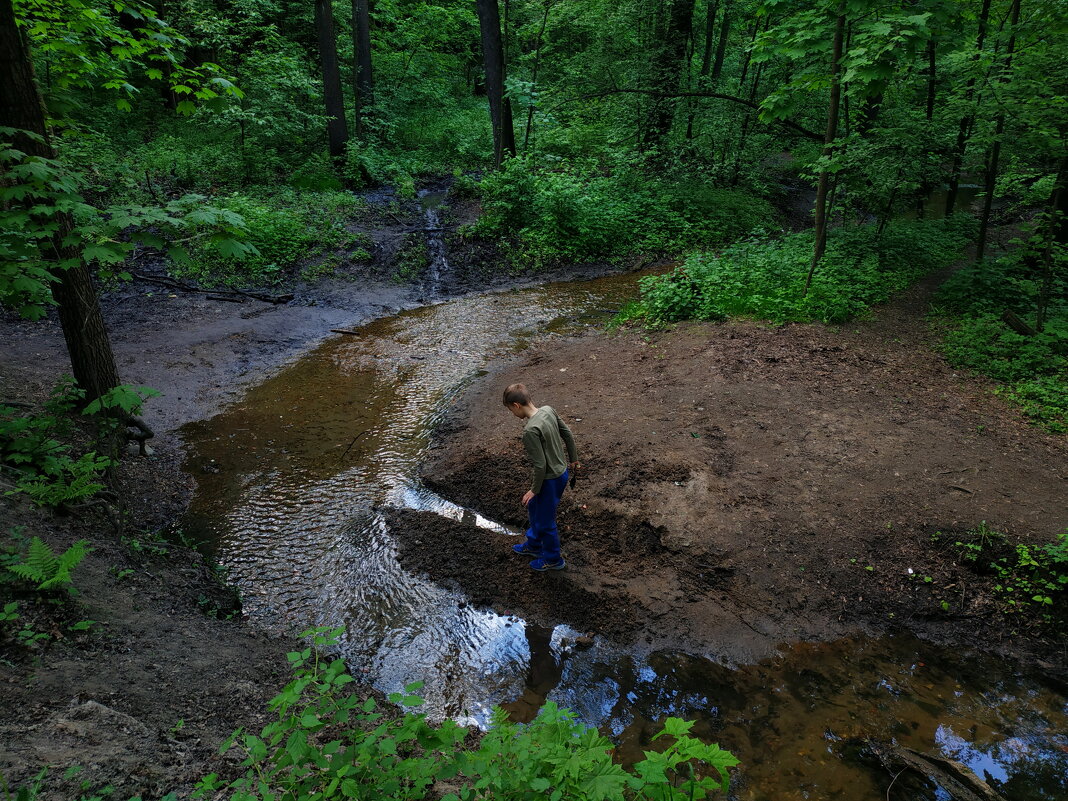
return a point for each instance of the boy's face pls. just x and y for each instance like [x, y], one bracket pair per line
[516, 409]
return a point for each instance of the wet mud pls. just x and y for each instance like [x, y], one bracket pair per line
[743, 486]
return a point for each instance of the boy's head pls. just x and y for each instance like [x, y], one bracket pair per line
[517, 399]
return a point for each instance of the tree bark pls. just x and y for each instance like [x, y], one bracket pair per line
[336, 129]
[993, 162]
[364, 85]
[721, 47]
[489, 23]
[667, 64]
[534, 75]
[21, 107]
[1057, 236]
[932, 80]
[828, 146]
[706, 59]
[967, 121]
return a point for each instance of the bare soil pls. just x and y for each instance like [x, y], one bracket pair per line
[744, 486]
[170, 670]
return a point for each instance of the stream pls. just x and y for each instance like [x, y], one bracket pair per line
[292, 483]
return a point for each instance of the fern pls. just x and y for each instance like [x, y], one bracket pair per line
[47, 571]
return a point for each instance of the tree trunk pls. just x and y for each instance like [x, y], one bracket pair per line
[747, 59]
[22, 107]
[710, 37]
[336, 129]
[364, 85]
[993, 162]
[932, 79]
[721, 47]
[489, 22]
[1057, 236]
[667, 65]
[828, 146]
[706, 58]
[534, 75]
[967, 121]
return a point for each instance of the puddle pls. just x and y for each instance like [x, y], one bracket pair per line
[291, 481]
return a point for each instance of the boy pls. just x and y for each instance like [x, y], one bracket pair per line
[545, 437]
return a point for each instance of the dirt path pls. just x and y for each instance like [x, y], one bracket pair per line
[745, 486]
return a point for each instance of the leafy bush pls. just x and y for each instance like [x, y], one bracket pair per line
[765, 277]
[43, 569]
[45, 468]
[1033, 368]
[286, 228]
[1027, 577]
[328, 743]
[577, 212]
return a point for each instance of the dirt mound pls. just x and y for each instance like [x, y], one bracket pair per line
[745, 486]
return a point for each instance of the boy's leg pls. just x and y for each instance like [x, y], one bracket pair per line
[542, 508]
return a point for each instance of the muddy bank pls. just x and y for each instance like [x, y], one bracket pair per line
[745, 486]
[167, 671]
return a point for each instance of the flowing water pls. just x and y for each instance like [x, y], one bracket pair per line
[292, 481]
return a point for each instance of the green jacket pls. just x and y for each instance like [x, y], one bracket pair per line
[545, 438]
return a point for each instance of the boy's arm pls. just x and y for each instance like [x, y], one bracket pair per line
[569, 439]
[536, 453]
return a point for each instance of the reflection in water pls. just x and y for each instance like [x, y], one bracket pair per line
[544, 670]
[301, 466]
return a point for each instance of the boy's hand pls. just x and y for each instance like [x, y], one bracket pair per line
[528, 497]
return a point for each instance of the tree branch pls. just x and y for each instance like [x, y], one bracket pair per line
[716, 95]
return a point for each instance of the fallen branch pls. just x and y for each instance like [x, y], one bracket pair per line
[344, 331]
[219, 294]
[1016, 324]
[957, 779]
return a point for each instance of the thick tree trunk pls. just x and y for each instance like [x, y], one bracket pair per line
[828, 146]
[994, 159]
[489, 22]
[964, 128]
[21, 107]
[364, 85]
[667, 66]
[336, 129]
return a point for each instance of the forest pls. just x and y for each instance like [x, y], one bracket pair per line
[800, 265]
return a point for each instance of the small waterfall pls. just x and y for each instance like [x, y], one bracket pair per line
[431, 201]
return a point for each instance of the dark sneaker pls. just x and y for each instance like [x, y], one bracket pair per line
[541, 564]
[524, 549]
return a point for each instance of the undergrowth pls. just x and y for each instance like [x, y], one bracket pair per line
[1032, 369]
[765, 278]
[580, 212]
[329, 743]
[288, 228]
[1028, 579]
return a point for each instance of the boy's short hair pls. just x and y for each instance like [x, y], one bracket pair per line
[516, 393]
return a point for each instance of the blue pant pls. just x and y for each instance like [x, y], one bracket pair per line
[542, 535]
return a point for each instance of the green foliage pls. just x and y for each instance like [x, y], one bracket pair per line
[1033, 369]
[328, 743]
[765, 277]
[287, 228]
[45, 467]
[1028, 578]
[578, 212]
[35, 192]
[43, 569]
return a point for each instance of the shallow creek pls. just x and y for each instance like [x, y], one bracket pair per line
[291, 483]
